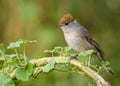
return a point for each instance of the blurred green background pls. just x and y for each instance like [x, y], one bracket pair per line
[37, 20]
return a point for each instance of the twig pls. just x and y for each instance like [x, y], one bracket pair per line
[91, 73]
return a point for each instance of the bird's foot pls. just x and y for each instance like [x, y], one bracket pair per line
[73, 56]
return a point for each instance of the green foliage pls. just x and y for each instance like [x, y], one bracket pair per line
[49, 66]
[66, 67]
[5, 80]
[2, 49]
[18, 67]
[106, 63]
[68, 52]
[27, 18]
[62, 51]
[62, 67]
[15, 63]
[86, 53]
[17, 44]
[24, 73]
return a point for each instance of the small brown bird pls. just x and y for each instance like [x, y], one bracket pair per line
[78, 37]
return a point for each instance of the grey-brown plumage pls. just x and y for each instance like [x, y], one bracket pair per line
[79, 38]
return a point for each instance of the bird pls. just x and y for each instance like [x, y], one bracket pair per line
[79, 39]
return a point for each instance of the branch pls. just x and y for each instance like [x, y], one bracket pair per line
[91, 73]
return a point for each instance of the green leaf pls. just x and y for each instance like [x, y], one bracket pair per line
[67, 49]
[63, 67]
[1, 59]
[12, 55]
[5, 80]
[24, 73]
[64, 51]
[58, 49]
[15, 45]
[27, 41]
[2, 49]
[49, 66]
[86, 53]
[65, 60]
[106, 63]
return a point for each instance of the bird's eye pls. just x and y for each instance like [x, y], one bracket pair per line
[66, 23]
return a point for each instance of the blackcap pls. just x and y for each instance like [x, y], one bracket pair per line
[78, 37]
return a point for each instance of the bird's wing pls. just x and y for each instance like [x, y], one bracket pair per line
[92, 41]
[100, 53]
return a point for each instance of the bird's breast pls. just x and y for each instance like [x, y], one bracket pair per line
[78, 43]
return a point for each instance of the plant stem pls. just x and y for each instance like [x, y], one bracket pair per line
[17, 56]
[2, 53]
[98, 79]
[25, 59]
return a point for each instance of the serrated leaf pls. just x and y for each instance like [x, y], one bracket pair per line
[15, 45]
[24, 73]
[5, 80]
[10, 57]
[106, 63]
[67, 49]
[86, 53]
[49, 66]
[58, 49]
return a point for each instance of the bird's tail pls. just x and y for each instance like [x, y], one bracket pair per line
[102, 60]
[108, 69]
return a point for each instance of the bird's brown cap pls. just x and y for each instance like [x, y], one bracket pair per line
[67, 18]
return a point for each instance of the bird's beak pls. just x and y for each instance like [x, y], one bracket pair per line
[59, 25]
